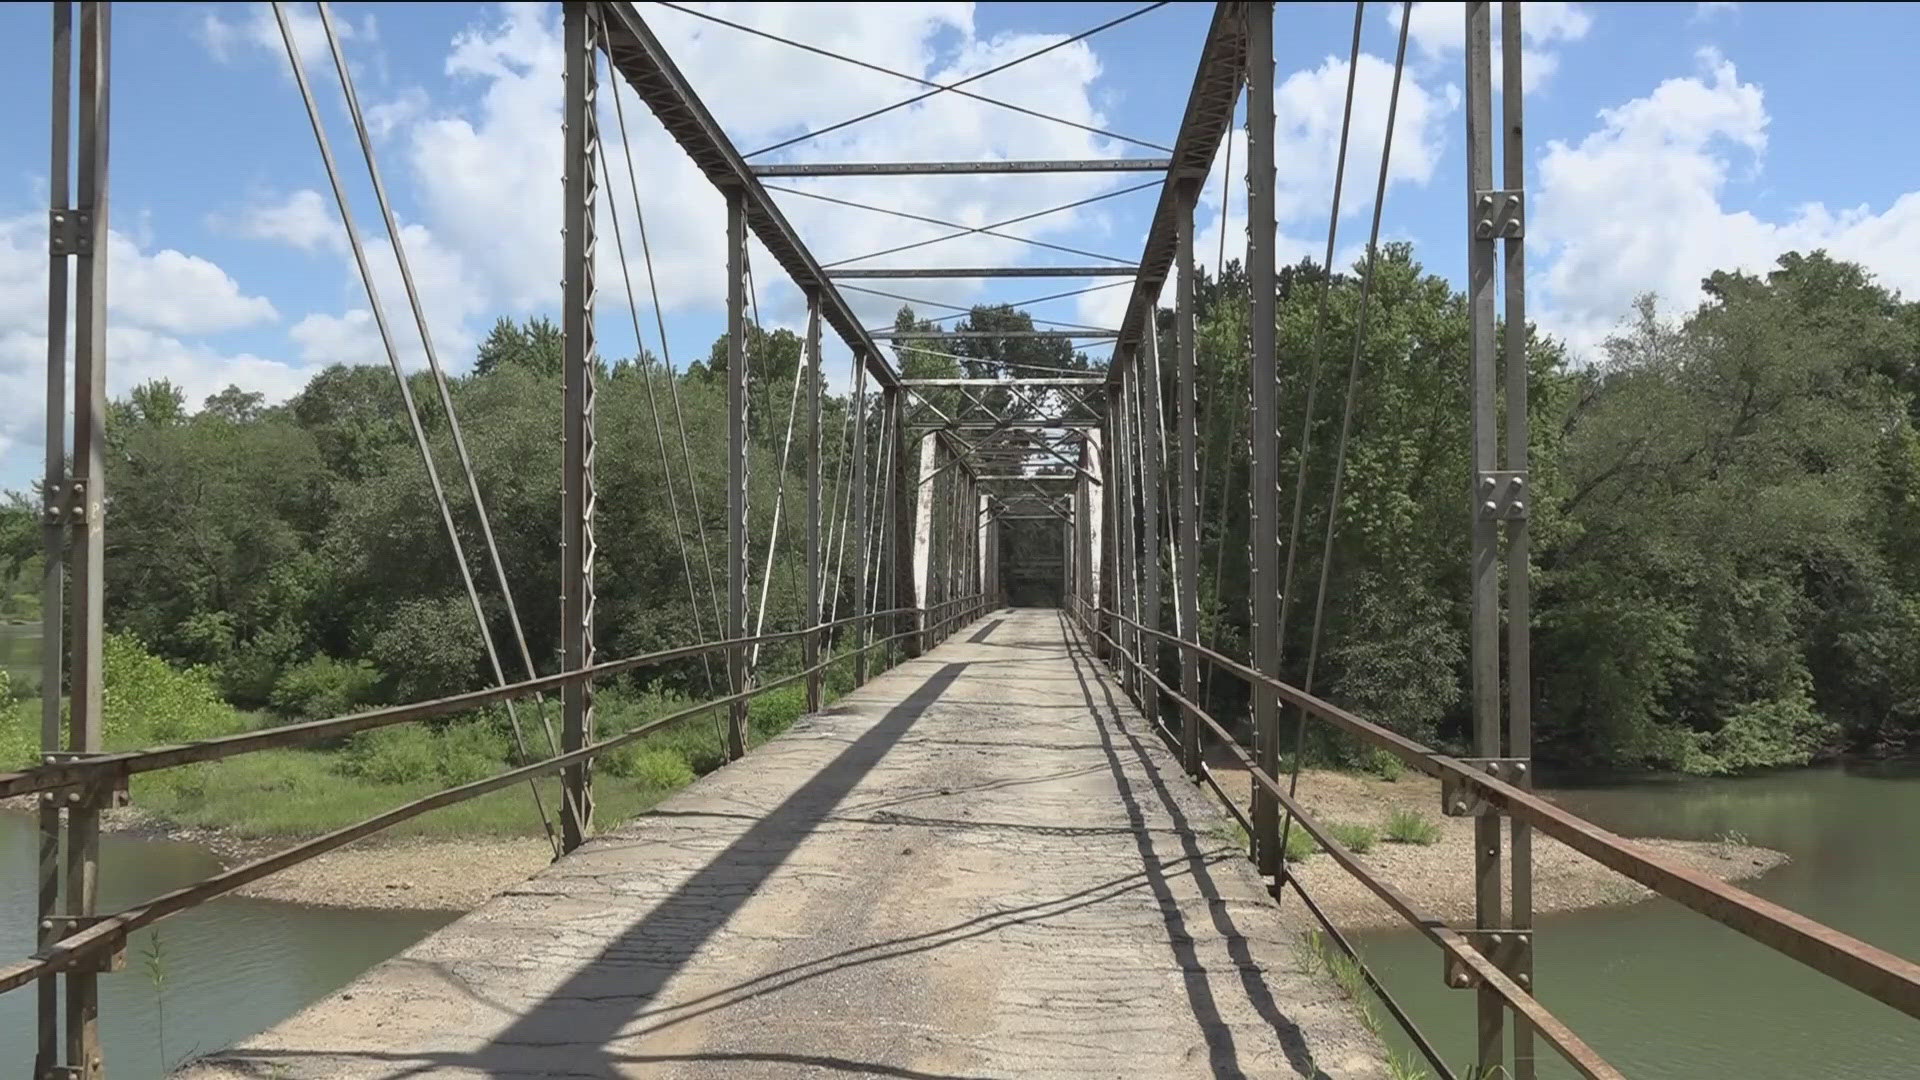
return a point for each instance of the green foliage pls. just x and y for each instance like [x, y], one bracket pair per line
[1299, 844]
[1406, 826]
[1355, 837]
[457, 753]
[322, 687]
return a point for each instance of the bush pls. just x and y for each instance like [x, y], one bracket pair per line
[655, 768]
[1412, 827]
[1358, 839]
[1299, 844]
[322, 687]
[145, 701]
[410, 753]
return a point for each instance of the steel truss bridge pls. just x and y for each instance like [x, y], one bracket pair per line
[1109, 457]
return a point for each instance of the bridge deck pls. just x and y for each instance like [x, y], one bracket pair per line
[981, 864]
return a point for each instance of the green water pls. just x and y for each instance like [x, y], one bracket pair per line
[1661, 992]
[232, 967]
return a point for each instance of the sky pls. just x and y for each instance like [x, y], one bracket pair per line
[1664, 141]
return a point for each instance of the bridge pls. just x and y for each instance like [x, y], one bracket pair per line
[1009, 851]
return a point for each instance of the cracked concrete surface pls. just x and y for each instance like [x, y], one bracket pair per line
[980, 864]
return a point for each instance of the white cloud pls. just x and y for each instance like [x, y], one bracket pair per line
[1310, 105]
[226, 39]
[1439, 33]
[303, 219]
[155, 301]
[1704, 11]
[1659, 165]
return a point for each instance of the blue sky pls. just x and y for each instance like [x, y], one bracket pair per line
[1665, 140]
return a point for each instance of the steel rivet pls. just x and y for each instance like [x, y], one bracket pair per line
[46, 924]
[1525, 980]
[1485, 228]
[1493, 939]
[1486, 202]
[1459, 806]
[1519, 768]
[1493, 768]
[1491, 506]
[1460, 979]
[1519, 507]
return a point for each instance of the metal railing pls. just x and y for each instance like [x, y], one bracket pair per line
[1480, 960]
[80, 780]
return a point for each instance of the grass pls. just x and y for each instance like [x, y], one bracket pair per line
[1406, 826]
[303, 792]
[1316, 954]
[1299, 844]
[1358, 839]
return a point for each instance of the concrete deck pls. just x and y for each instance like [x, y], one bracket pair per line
[980, 864]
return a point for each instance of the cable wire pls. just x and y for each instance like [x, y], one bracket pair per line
[646, 375]
[1346, 415]
[673, 379]
[393, 356]
[938, 88]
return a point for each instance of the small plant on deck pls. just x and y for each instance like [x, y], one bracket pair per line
[1358, 839]
[1412, 827]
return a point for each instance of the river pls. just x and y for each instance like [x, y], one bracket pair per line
[230, 968]
[1666, 994]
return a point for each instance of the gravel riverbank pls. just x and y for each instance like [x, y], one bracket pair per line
[459, 874]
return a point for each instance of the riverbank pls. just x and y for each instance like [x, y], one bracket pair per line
[441, 873]
[1439, 875]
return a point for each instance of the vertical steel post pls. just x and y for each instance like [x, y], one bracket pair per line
[57, 517]
[922, 565]
[860, 512]
[814, 376]
[1186, 483]
[1484, 633]
[737, 476]
[1108, 586]
[1519, 542]
[1263, 489]
[900, 507]
[87, 491]
[1147, 362]
[577, 494]
[1124, 524]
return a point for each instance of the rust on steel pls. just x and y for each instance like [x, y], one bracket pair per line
[1867, 968]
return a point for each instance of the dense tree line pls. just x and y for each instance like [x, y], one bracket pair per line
[1726, 514]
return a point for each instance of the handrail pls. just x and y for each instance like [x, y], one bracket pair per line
[110, 930]
[1867, 968]
[1577, 1053]
[54, 775]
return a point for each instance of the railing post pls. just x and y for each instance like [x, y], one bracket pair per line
[1487, 487]
[83, 231]
[1263, 489]
[1186, 484]
[737, 478]
[57, 514]
[1107, 587]
[577, 430]
[900, 591]
[860, 513]
[1147, 364]
[1519, 676]
[814, 377]
[921, 565]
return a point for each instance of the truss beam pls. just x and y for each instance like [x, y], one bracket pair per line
[961, 168]
[904, 272]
